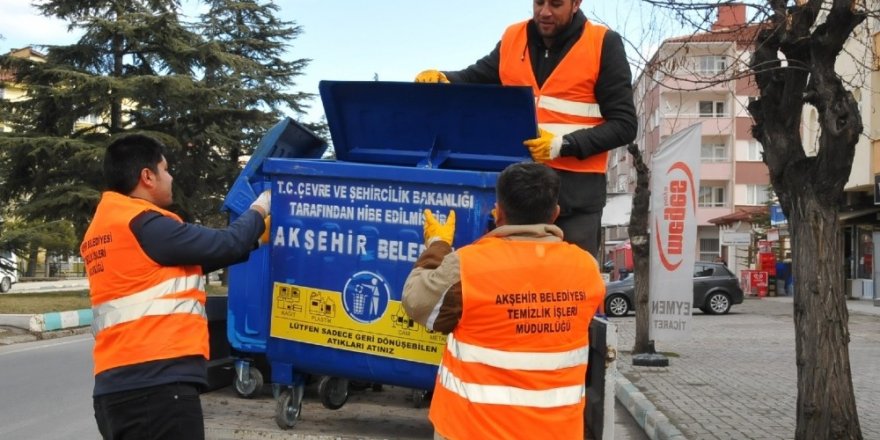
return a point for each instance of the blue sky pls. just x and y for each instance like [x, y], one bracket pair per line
[394, 39]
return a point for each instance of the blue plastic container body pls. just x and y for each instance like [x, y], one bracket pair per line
[324, 297]
[247, 314]
[344, 238]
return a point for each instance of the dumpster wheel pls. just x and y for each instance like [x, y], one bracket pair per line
[419, 397]
[288, 408]
[251, 385]
[333, 391]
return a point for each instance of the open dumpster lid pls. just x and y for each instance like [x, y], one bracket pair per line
[453, 126]
[286, 139]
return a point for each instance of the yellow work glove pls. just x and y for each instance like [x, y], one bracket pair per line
[545, 147]
[265, 237]
[435, 231]
[431, 76]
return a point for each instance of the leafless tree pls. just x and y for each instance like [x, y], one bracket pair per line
[795, 49]
[810, 191]
[638, 234]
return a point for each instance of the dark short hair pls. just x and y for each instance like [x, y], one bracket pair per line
[127, 156]
[528, 193]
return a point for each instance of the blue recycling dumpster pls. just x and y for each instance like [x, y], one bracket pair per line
[345, 233]
[247, 326]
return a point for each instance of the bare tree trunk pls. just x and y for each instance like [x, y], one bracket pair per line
[826, 406]
[810, 191]
[638, 236]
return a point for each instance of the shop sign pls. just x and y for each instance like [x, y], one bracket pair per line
[733, 238]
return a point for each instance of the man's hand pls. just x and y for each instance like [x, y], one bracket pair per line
[431, 76]
[262, 204]
[545, 147]
[264, 238]
[435, 231]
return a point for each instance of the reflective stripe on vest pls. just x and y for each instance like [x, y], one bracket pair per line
[559, 105]
[567, 98]
[529, 361]
[505, 395]
[150, 303]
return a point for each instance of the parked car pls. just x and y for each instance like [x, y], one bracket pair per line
[716, 289]
[8, 274]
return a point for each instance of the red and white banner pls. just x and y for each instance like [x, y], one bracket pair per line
[675, 185]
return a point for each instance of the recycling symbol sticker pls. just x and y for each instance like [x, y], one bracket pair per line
[365, 297]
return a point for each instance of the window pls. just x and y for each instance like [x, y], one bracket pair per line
[713, 152]
[711, 197]
[757, 194]
[702, 270]
[622, 183]
[709, 249]
[711, 64]
[711, 109]
[756, 150]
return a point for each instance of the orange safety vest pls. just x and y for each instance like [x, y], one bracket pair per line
[142, 311]
[566, 102]
[514, 367]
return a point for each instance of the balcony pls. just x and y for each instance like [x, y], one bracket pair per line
[712, 126]
[686, 82]
[716, 171]
[706, 214]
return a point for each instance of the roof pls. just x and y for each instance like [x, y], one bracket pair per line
[618, 208]
[744, 35]
[741, 214]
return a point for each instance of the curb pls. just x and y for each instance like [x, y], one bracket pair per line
[655, 424]
[60, 320]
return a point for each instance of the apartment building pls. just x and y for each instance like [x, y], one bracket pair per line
[704, 79]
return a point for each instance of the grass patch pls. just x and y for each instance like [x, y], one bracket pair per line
[45, 302]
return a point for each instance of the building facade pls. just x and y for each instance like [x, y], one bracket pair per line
[704, 79]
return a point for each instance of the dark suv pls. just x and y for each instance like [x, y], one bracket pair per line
[716, 289]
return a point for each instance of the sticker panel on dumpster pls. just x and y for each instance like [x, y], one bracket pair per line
[362, 319]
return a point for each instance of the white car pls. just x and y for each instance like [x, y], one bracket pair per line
[8, 274]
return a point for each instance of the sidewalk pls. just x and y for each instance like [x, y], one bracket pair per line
[43, 322]
[736, 377]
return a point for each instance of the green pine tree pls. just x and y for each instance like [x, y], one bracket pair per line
[209, 90]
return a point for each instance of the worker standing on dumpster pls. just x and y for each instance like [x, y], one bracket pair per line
[581, 79]
[145, 269]
[516, 304]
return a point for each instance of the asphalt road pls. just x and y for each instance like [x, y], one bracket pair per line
[47, 395]
[47, 388]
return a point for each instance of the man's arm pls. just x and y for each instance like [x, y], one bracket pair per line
[615, 97]
[484, 71]
[432, 292]
[172, 243]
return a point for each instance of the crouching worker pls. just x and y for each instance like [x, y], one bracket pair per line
[516, 305]
[145, 268]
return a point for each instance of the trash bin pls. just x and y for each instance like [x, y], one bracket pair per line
[249, 286]
[345, 233]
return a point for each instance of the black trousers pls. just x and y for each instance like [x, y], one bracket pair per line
[583, 230]
[171, 411]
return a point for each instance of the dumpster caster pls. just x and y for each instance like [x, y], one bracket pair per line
[289, 407]
[419, 397]
[333, 391]
[248, 383]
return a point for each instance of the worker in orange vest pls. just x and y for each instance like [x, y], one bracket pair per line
[580, 76]
[517, 305]
[146, 276]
